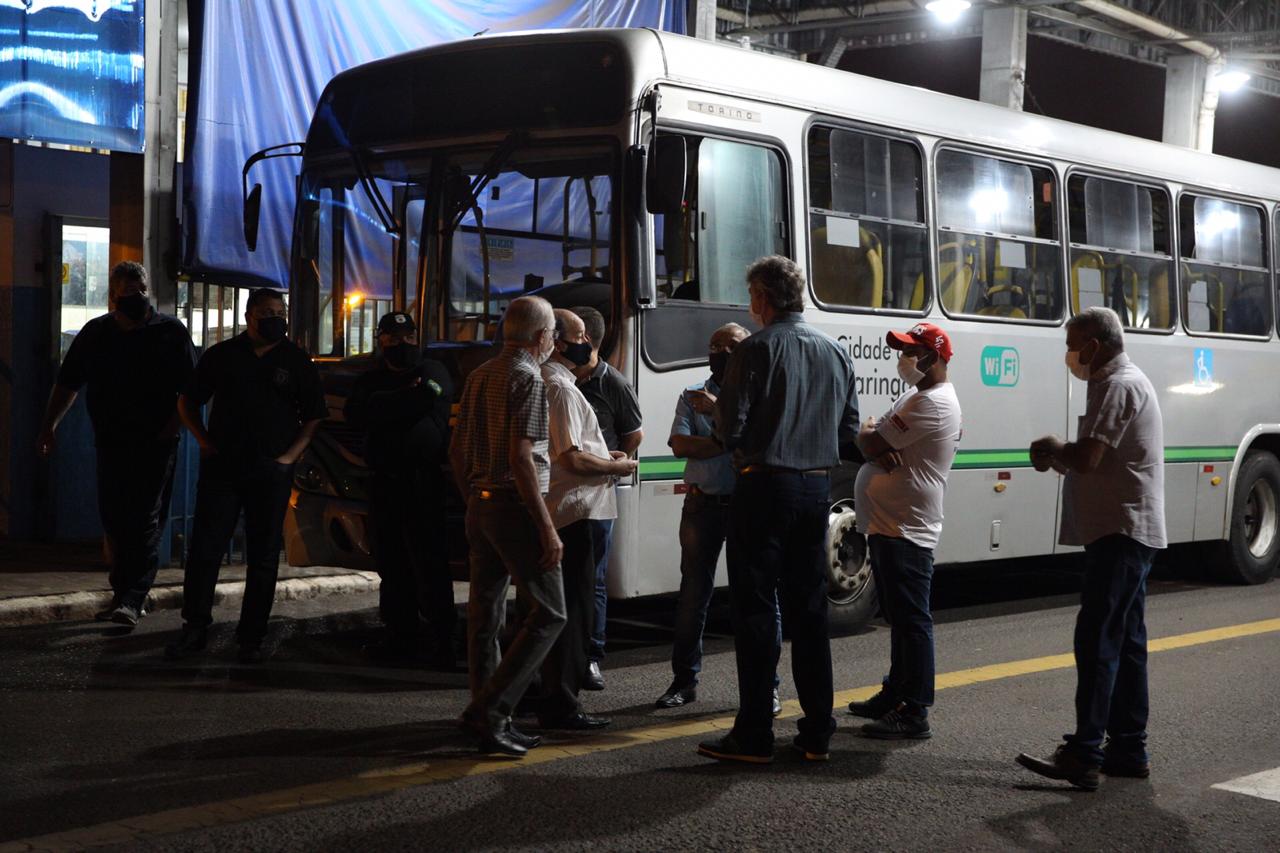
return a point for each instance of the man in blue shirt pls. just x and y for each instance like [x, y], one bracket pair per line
[710, 478]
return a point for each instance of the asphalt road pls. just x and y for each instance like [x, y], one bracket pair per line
[105, 743]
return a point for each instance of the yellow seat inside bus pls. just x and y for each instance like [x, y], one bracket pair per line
[1204, 301]
[1092, 276]
[849, 275]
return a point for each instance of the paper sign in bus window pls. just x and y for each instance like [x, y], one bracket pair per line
[1198, 305]
[1090, 284]
[1013, 256]
[842, 232]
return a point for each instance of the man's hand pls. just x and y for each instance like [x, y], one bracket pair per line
[552, 549]
[286, 459]
[1044, 450]
[869, 425]
[624, 467]
[889, 460]
[45, 443]
[701, 402]
[617, 454]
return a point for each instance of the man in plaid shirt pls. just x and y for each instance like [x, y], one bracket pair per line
[499, 458]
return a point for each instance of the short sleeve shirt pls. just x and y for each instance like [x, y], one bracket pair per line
[614, 400]
[573, 425]
[133, 377]
[1125, 495]
[716, 475]
[258, 402]
[503, 400]
[906, 503]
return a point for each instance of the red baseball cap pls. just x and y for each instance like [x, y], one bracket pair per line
[922, 334]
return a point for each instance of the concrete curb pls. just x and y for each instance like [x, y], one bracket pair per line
[76, 606]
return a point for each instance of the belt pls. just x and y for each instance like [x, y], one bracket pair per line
[774, 469]
[724, 499]
[496, 495]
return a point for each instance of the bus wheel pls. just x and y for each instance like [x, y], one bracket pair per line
[1253, 547]
[851, 590]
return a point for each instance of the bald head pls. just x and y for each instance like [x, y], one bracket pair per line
[727, 336]
[569, 326]
[526, 318]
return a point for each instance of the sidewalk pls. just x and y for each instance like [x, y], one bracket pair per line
[42, 583]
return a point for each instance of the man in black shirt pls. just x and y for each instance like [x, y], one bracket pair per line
[134, 361]
[402, 405]
[267, 403]
[618, 410]
[787, 408]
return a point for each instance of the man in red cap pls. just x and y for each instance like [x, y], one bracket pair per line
[898, 496]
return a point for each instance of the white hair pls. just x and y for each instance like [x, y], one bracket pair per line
[1101, 324]
[526, 317]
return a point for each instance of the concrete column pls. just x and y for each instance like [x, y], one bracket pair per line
[702, 19]
[1184, 101]
[1004, 57]
[160, 215]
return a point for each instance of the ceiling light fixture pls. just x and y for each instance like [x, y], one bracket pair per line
[1233, 81]
[948, 11]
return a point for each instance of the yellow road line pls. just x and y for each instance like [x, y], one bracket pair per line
[387, 780]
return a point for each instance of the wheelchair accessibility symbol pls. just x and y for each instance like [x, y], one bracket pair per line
[1203, 367]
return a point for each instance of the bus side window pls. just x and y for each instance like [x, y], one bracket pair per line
[1225, 278]
[1120, 250]
[998, 248]
[868, 236]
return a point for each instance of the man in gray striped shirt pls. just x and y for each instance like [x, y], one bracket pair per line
[499, 458]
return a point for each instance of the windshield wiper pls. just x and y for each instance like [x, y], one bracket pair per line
[515, 139]
[380, 206]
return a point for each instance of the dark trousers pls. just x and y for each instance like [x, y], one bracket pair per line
[411, 554]
[135, 485]
[504, 547]
[777, 545]
[260, 487]
[602, 540]
[704, 524]
[1111, 650]
[566, 664]
[904, 576]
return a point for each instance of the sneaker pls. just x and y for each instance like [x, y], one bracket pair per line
[728, 748]
[875, 707]
[126, 615]
[190, 642]
[900, 723]
[1065, 765]
[777, 703]
[809, 749]
[106, 613]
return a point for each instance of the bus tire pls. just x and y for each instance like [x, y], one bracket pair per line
[851, 588]
[1252, 549]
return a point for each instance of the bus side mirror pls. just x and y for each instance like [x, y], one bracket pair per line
[639, 264]
[252, 210]
[665, 175]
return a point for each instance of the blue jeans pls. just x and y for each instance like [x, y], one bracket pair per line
[777, 556]
[1111, 650]
[904, 577]
[602, 539]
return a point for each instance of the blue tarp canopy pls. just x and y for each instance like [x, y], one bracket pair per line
[258, 71]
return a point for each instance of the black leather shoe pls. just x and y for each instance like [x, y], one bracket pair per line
[500, 745]
[1064, 765]
[677, 696]
[728, 748]
[522, 739]
[190, 642]
[901, 723]
[594, 679]
[875, 707]
[811, 750]
[578, 722]
[777, 703]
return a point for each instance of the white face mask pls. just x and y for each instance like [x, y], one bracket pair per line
[908, 371]
[1078, 369]
[544, 353]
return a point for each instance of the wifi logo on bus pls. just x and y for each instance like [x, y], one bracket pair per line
[1000, 366]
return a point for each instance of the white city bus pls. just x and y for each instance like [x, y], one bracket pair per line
[641, 172]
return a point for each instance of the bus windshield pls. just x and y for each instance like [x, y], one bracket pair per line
[528, 218]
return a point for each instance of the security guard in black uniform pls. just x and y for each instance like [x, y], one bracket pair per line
[267, 403]
[403, 406]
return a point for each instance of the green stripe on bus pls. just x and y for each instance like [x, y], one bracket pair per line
[1199, 454]
[661, 468]
[992, 459]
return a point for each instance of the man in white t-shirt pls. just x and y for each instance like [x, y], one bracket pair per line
[581, 491]
[898, 498]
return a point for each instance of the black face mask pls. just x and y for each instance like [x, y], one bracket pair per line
[133, 305]
[402, 356]
[273, 329]
[719, 362]
[579, 354]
